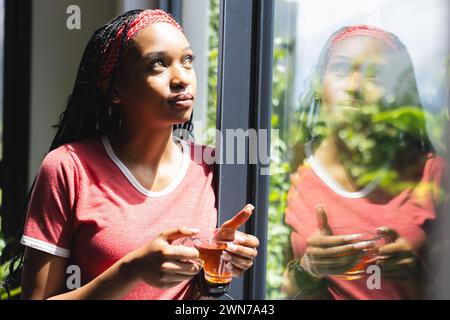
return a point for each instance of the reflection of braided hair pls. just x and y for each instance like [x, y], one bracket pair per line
[89, 112]
[405, 91]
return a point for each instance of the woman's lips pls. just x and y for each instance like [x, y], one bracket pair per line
[350, 104]
[182, 101]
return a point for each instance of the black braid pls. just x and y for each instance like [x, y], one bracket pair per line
[89, 113]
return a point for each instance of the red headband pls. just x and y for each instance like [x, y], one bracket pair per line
[112, 49]
[363, 30]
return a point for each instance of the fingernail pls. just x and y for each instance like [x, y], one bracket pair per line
[196, 261]
[232, 247]
[229, 266]
[249, 207]
[239, 239]
[364, 244]
[352, 237]
[194, 230]
[225, 256]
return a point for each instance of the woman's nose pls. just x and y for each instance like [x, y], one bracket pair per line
[180, 77]
[354, 81]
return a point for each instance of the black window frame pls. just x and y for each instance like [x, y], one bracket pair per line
[244, 102]
[16, 114]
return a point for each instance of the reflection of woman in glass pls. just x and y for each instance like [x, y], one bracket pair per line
[368, 164]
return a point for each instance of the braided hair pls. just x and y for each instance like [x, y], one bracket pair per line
[89, 112]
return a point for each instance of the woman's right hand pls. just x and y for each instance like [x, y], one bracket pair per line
[161, 264]
[327, 254]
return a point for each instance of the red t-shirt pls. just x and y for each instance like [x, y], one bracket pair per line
[88, 207]
[406, 213]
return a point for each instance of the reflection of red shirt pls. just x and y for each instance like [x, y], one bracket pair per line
[87, 207]
[406, 213]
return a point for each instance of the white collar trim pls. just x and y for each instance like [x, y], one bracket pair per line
[136, 184]
[320, 171]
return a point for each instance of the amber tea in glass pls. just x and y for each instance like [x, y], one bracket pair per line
[213, 265]
[211, 245]
[360, 268]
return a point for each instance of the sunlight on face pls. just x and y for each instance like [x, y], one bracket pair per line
[158, 68]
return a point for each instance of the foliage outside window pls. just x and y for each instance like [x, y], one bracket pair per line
[213, 55]
[280, 168]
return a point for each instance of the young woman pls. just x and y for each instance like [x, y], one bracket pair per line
[368, 165]
[117, 186]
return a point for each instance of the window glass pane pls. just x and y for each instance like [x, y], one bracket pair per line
[359, 142]
[213, 57]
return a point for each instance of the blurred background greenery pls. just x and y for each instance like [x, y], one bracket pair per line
[280, 168]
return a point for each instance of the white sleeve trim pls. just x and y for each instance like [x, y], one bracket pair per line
[45, 246]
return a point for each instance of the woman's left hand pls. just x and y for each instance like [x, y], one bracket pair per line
[241, 253]
[396, 259]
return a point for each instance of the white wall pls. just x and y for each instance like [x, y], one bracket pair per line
[56, 54]
[196, 27]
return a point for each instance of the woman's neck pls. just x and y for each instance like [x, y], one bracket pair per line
[328, 154]
[148, 149]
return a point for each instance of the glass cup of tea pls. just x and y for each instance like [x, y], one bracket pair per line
[367, 256]
[211, 244]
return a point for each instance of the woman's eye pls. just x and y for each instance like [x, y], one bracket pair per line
[189, 60]
[156, 64]
[340, 69]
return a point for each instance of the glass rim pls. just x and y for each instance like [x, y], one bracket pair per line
[204, 239]
[206, 235]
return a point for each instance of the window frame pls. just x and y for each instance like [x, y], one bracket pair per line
[245, 89]
[16, 113]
